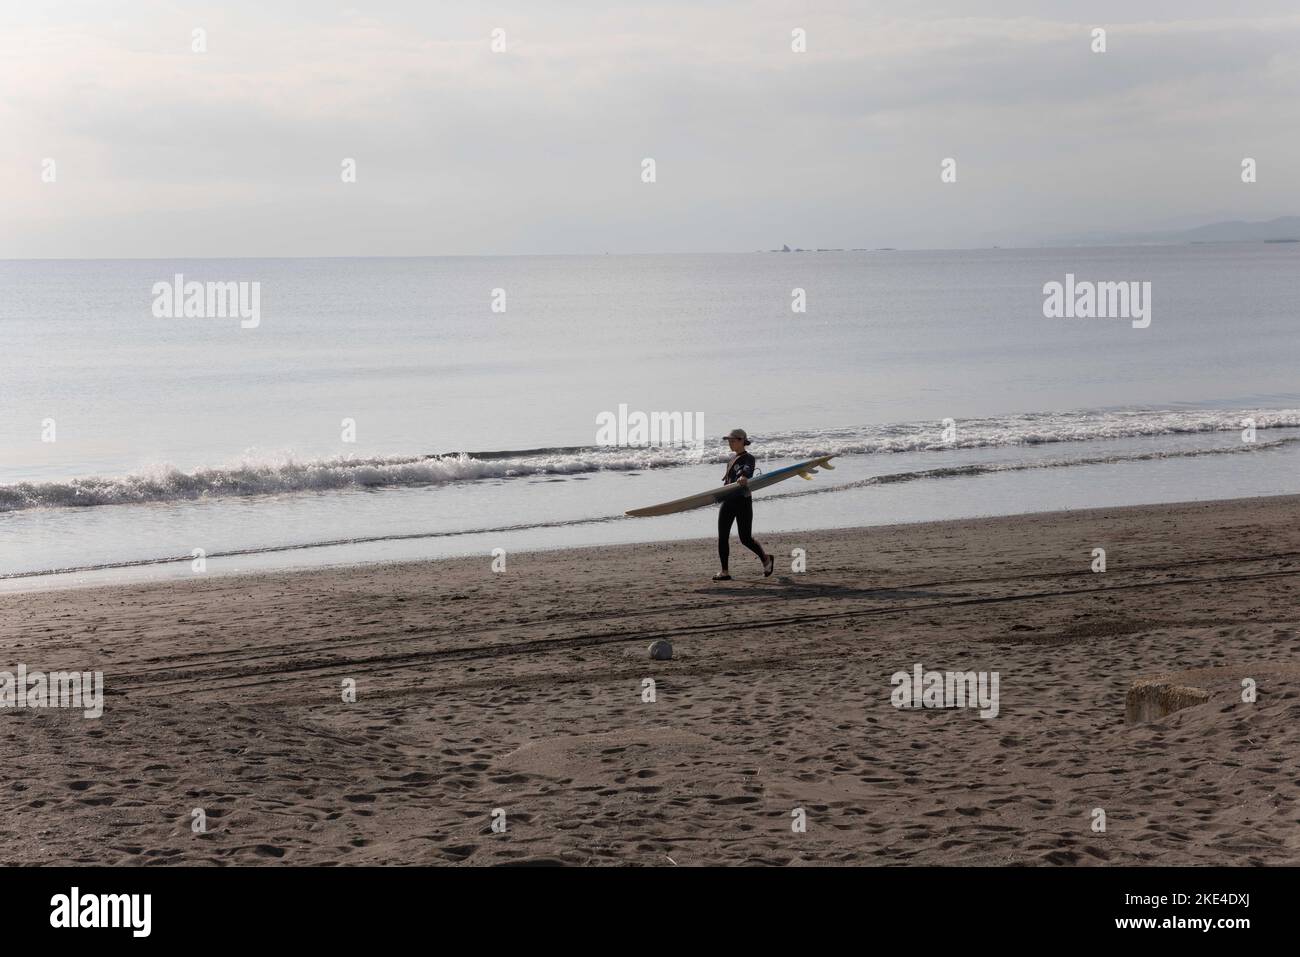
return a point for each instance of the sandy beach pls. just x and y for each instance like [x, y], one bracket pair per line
[524, 691]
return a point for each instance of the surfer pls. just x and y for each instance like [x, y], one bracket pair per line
[739, 508]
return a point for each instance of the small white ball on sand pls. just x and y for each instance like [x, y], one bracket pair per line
[661, 649]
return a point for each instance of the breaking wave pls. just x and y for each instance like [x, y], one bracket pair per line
[968, 471]
[285, 474]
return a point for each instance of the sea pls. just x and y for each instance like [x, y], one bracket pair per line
[373, 410]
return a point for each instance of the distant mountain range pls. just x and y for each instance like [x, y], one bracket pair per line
[1282, 229]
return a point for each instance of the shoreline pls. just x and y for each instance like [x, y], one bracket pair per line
[38, 577]
[524, 691]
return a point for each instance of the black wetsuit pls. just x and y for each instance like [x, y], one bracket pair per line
[738, 508]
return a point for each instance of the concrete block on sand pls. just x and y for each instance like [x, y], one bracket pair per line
[1155, 697]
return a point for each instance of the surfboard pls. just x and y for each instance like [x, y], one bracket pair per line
[713, 496]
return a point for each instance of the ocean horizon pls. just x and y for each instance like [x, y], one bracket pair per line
[393, 408]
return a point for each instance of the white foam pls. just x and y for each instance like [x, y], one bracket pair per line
[283, 473]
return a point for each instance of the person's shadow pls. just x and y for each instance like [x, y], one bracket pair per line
[791, 589]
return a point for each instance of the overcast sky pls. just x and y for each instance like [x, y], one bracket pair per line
[160, 151]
